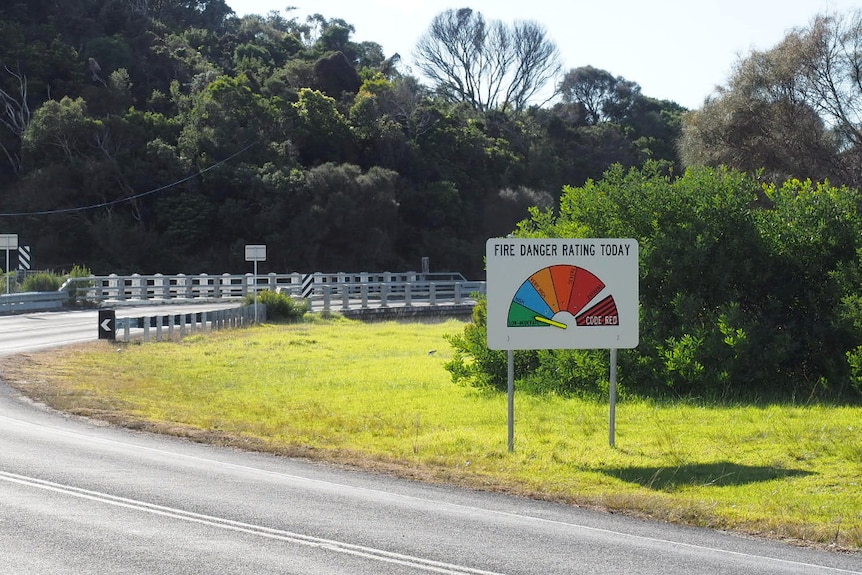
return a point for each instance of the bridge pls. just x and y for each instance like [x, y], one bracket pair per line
[351, 294]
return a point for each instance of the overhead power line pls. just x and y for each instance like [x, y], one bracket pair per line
[130, 198]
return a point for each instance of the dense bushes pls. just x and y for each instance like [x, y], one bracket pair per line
[279, 306]
[746, 290]
[42, 281]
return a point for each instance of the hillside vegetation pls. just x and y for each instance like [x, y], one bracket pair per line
[161, 137]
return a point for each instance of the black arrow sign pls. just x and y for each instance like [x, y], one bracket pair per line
[107, 324]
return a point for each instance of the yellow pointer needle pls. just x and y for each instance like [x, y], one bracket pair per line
[551, 322]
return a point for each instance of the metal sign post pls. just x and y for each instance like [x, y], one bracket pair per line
[612, 433]
[555, 293]
[511, 400]
[255, 253]
[8, 242]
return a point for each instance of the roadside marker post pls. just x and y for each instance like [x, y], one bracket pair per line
[24, 258]
[562, 293]
[8, 242]
[255, 253]
[107, 324]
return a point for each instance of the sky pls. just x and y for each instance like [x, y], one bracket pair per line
[676, 50]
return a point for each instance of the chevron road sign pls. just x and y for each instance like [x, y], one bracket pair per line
[24, 258]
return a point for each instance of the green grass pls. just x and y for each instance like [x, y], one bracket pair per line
[377, 395]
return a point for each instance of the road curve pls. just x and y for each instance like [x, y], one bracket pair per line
[78, 496]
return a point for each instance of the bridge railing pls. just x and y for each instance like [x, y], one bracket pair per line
[340, 297]
[180, 286]
[324, 291]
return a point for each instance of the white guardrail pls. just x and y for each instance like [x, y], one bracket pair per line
[336, 292]
[160, 327]
[32, 301]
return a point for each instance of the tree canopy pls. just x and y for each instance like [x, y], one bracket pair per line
[791, 111]
[162, 136]
[488, 65]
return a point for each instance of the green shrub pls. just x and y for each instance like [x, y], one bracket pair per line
[746, 291]
[279, 306]
[474, 364]
[42, 281]
[79, 288]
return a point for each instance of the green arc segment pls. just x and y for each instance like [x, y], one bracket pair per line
[520, 316]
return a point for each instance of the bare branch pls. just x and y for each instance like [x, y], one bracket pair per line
[487, 65]
[16, 114]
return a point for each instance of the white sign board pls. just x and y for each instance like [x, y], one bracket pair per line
[8, 242]
[562, 293]
[255, 253]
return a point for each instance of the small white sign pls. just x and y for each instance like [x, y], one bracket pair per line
[8, 242]
[255, 253]
[562, 293]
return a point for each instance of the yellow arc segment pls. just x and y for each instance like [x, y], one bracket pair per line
[551, 322]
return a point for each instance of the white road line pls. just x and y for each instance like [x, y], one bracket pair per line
[258, 530]
[634, 537]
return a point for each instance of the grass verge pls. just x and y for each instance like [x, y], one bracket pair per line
[377, 396]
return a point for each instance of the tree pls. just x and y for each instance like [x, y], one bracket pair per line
[489, 65]
[16, 118]
[61, 131]
[322, 133]
[601, 96]
[794, 110]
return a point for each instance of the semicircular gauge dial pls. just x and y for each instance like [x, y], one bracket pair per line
[561, 288]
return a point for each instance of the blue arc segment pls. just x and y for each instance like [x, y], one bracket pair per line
[528, 297]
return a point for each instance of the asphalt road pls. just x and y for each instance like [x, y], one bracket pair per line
[77, 496]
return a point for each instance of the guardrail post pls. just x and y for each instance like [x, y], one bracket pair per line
[407, 294]
[345, 296]
[161, 286]
[133, 283]
[118, 285]
[384, 295]
[327, 294]
[457, 293]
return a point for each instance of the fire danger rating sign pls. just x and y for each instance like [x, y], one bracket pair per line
[562, 293]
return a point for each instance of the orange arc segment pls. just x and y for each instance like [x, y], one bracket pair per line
[544, 284]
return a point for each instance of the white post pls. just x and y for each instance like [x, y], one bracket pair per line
[511, 385]
[613, 394]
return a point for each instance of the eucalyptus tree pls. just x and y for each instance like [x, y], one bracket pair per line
[487, 64]
[794, 110]
[600, 95]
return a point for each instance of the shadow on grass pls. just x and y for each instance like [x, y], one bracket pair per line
[719, 474]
